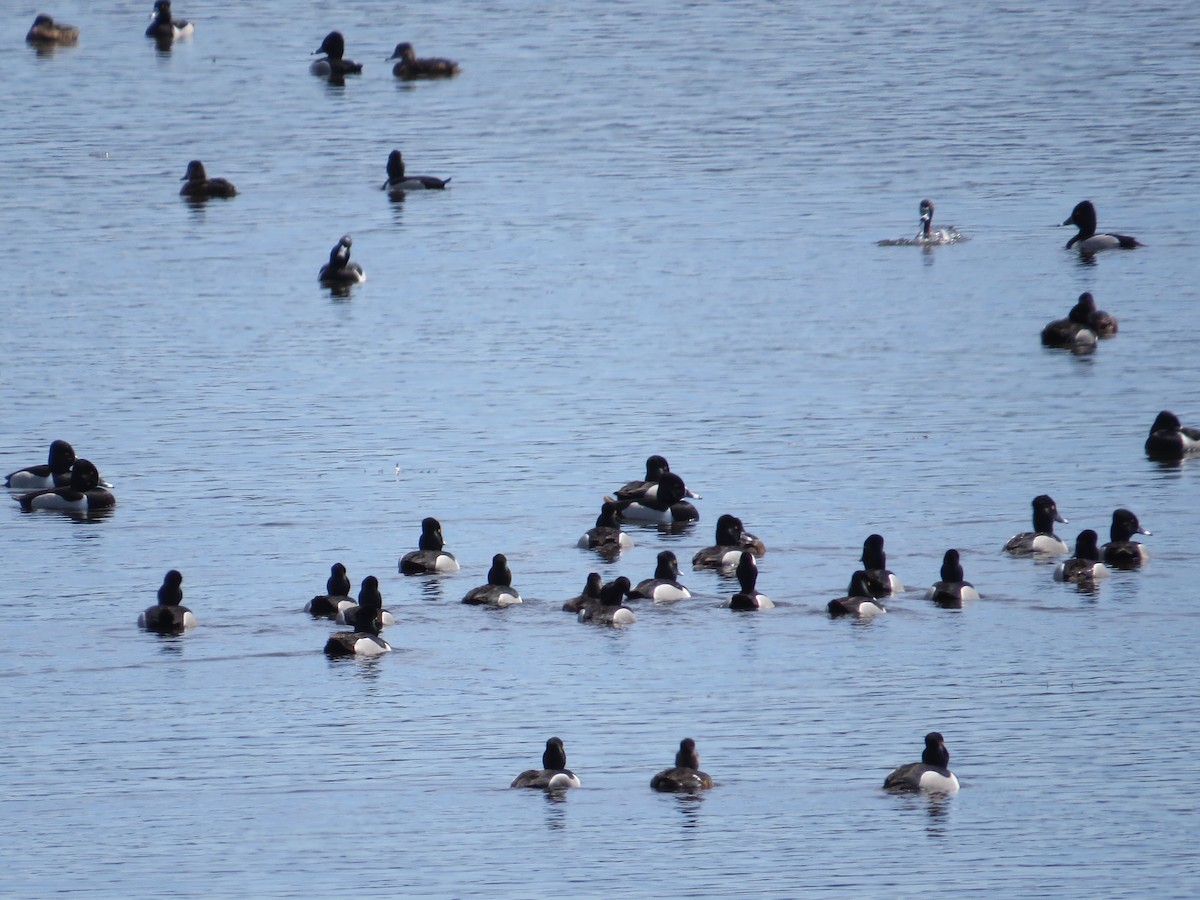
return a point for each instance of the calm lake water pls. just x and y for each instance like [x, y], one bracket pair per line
[660, 237]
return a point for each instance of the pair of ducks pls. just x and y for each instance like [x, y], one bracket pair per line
[335, 66]
[685, 776]
[64, 482]
[1082, 327]
[932, 774]
[869, 585]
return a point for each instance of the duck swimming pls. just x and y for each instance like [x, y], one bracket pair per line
[1085, 566]
[748, 596]
[83, 492]
[1169, 440]
[590, 595]
[731, 541]
[336, 596]
[410, 68]
[553, 775]
[665, 505]
[168, 616]
[164, 29]
[333, 65]
[609, 609]
[339, 271]
[198, 186]
[858, 601]
[363, 642]
[499, 590]
[927, 235]
[1042, 540]
[685, 776]
[881, 582]
[664, 587]
[952, 591]
[430, 557]
[398, 183]
[1083, 217]
[606, 537]
[55, 473]
[931, 774]
[656, 467]
[370, 605]
[1121, 552]
[46, 32]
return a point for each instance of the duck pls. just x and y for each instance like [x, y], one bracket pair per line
[398, 183]
[370, 603]
[1074, 332]
[1101, 323]
[336, 596]
[664, 587]
[339, 271]
[410, 68]
[1085, 566]
[1042, 540]
[164, 28]
[606, 536]
[332, 65]
[1169, 440]
[553, 775]
[665, 505]
[951, 592]
[430, 557]
[590, 595]
[198, 186]
[55, 473]
[858, 600]
[1121, 552]
[46, 32]
[82, 493]
[168, 616]
[748, 596]
[1083, 217]
[656, 467]
[930, 235]
[931, 774]
[731, 540]
[609, 609]
[881, 581]
[499, 590]
[363, 642]
[685, 776]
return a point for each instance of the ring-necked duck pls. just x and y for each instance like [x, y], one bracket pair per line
[339, 270]
[198, 186]
[81, 494]
[46, 31]
[55, 473]
[499, 590]
[663, 506]
[554, 774]
[881, 581]
[1100, 322]
[332, 65]
[410, 68]
[731, 540]
[609, 610]
[1042, 540]
[686, 775]
[1083, 216]
[607, 536]
[931, 774]
[664, 587]
[1121, 552]
[336, 596]
[398, 183]
[748, 596]
[1085, 566]
[370, 605]
[168, 616]
[1073, 333]
[364, 642]
[951, 592]
[1170, 440]
[430, 558]
[165, 29]
[656, 467]
[589, 597]
[858, 601]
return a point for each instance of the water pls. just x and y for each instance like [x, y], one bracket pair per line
[660, 237]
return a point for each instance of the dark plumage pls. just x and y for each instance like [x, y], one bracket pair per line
[398, 182]
[363, 642]
[554, 774]
[664, 587]
[663, 503]
[880, 581]
[1085, 566]
[731, 540]
[55, 473]
[1075, 331]
[337, 594]
[608, 610]
[168, 616]
[82, 492]
[164, 29]
[410, 68]
[198, 186]
[1042, 539]
[748, 596]
[1169, 440]
[1083, 216]
[430, 557]
[334, 65]
[1121, 552]
[589, 597]
[932, 773]
[499, 590]
[685, 776]
[46, 32]
[858, 600]
[606, 537]
[952, 591]
[340, 271]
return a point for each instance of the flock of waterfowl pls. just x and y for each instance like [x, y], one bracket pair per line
[74, 485]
